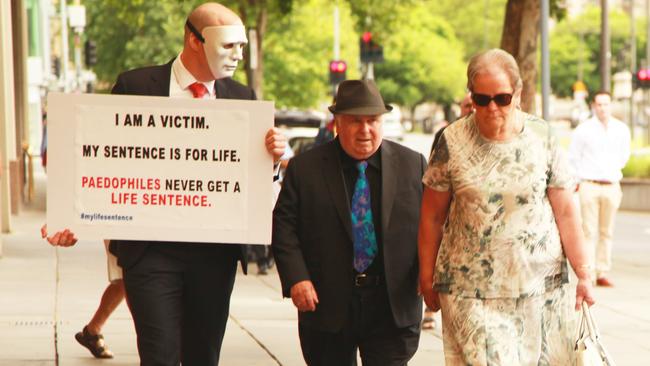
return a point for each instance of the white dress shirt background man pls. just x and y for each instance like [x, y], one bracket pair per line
[600, 148]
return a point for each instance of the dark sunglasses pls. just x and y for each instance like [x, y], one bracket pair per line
[196, 32]
[483, 100]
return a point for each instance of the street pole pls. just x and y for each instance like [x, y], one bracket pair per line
[76, 15]
[647, 27]
[605, 54]
[368, 70]
[77, 57]
[647, 65]
[64, 45]
[581, 55]
[337, 46]
[546, 68]
[632, 64]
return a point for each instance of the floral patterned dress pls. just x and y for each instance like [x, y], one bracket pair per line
[501, 271]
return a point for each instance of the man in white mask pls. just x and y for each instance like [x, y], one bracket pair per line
[179, 293]
[223, 46]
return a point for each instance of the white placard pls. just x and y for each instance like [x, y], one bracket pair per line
[155, 168]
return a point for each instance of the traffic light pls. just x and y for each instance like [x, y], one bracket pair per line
[90, 51]
[643, 78]
[337, 71]
[369, 50]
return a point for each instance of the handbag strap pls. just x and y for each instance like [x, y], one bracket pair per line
[588, 324]
[588, 319]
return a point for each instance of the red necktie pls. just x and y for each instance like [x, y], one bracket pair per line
[198, 90]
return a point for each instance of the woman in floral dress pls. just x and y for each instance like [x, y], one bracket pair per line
[497, 224]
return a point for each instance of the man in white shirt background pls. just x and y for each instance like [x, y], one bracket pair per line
[600, 148]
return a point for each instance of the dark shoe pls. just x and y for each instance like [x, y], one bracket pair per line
[94, 343]
[262, 270]
[604, 282]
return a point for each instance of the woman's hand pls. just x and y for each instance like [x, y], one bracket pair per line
[584, 292]
[430, 295]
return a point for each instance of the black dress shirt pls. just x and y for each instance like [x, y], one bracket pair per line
[373, 173]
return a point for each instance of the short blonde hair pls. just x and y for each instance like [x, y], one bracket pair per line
[495, 57]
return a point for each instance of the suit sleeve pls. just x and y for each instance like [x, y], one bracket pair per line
[423, 164]
[286, 244]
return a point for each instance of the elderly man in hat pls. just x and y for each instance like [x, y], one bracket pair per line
[345, 238]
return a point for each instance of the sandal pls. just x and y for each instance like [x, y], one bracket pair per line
[94, 343]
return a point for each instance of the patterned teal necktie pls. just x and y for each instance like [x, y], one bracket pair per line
[363, 229]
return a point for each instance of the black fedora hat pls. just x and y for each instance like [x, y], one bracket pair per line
[359, 97]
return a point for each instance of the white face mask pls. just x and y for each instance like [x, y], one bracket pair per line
[224, 48]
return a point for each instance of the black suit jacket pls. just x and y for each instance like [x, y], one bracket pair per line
[312, 232]
[154, 81]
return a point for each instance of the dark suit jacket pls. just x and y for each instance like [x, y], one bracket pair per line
[154, 81]
[312, 232]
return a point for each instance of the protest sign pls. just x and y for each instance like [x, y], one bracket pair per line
[155, 168]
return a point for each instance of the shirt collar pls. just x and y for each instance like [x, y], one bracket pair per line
[184, 78]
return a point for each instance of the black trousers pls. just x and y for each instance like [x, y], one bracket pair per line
[179, 296]
[370, 330]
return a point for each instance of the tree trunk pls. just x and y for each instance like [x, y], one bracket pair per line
[519, 38]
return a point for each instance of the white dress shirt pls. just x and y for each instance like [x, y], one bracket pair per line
[599, 152]
[181, 79]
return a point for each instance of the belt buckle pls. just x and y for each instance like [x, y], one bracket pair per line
[358, 279]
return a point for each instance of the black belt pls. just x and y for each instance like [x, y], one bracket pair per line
[367, 280]
[602, 182]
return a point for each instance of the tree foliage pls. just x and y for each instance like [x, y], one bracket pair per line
[575, 44]
[256, 15]
[423, 62]
[424, 55]
[135, 33]
[298, 50]
[477, 23]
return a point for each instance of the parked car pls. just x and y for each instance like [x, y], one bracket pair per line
[392, 122]
[300, 127]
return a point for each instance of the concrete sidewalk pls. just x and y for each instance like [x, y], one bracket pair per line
[48, 294]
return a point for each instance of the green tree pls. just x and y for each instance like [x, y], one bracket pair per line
[298, 49]
[136, 33]
[575, 49]
[477, 23]
[256, 15]
[423, 62]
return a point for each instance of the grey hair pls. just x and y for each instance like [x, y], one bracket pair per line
[498, 58]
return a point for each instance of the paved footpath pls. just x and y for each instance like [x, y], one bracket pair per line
[48, 294]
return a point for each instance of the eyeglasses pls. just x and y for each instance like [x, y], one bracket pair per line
[484, 100]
